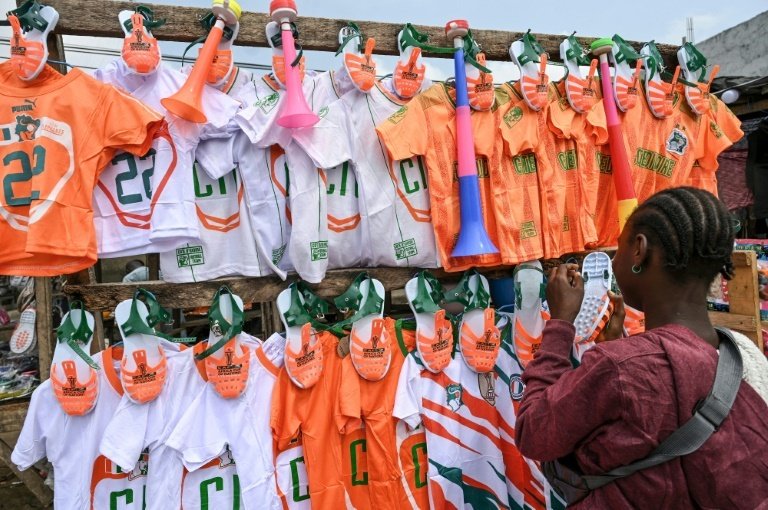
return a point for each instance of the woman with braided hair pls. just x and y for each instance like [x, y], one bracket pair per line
[628, 395]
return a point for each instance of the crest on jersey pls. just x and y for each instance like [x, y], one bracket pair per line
[226, 459]
[323, 112]
[513, 116]
[516, 387]
[487, 384]
[267, 104]
[453, 396]
[26, 127]
[677, 142]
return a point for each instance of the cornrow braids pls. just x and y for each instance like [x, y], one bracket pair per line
[693, 229]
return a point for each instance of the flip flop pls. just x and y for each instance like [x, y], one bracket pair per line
[479, 338]
[596, 308]
[531, 59]
[24, 339]
[275, 40]
[409, 71]
[480, 86]
[694, 66]
[303, 348]
[530, 317]
[625, 78]
[73, 371]
[143, 367]
[229, 372]
[141, 51]
[434, 333]
[659, 94]
[370, 345]
[31, 24]
[361, 68]
[581, 92]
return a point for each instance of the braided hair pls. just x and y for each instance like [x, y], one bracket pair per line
[693, 229]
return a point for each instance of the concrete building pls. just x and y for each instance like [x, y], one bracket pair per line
[741, 50]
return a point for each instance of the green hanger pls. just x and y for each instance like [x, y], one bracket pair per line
[518, 290]
[219, 325]
[351, 298]
[471, 49]
[576, 52]
[74, 336]
[427, 301]
[532, 50]
[135, 325]
[207, 22]
[29, 16]
[149, 19]
[355, 31]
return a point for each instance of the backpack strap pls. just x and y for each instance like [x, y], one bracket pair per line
[707, 417]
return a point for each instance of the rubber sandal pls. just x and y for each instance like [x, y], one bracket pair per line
[480, 86]
[370, 344]
[530, 318]
[361, 68]
[143, 367]
[625, 78]
[659, 94]
[73, 371]
[581, 92]
[596, 308]
[227, 373]
[303, 348]
[530, 58]
[694, 67]
[24, 338]
[275, 40]
[634, 321]
[409, 71]
[141, 51]
[31, 24]
[434, 333]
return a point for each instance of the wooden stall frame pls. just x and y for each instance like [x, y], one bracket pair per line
[316, 34]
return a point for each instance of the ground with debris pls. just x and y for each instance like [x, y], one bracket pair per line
[13, 494]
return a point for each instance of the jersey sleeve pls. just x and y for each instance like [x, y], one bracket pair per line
[123, 445]
[328, 143]
[404, 133]
[519, 129]
[719, 129]
[220, 110]
[407, 399]
[348, 404]
[31, 445]
[259, 119]
[216, 156]
[597, 125]
[121, 123]
[284, 419]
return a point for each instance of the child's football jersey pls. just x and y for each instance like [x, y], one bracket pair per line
[214, 485]
[56, 134]
[458, 410]
[394, 204]
[83, 479]
[147, 204]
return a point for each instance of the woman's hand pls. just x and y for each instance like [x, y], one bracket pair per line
[615, 327]
[565, 292]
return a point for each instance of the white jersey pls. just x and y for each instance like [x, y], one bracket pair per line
[147, 204]
[83, 479]
[395, 199]
[325, 146]
[212, 423]
[457, 409]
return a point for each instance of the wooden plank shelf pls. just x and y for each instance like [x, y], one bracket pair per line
[315, 33]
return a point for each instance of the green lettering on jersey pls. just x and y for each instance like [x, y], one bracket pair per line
[405, 249]
[414, 186]
[342, 188]
[356, 479]
[603, 163]
[568, 160]
[218, 485]
[525, 163]
[528, 230]
[420, 473]
[655, 162]
[318, 250]
[296, 481]
[208, 190]
[132, 173]
[188, 256]
[28, 170]
[114, 498]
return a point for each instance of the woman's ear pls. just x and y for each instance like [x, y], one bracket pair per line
[640, 252]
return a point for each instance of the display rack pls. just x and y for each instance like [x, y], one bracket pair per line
[182, 25]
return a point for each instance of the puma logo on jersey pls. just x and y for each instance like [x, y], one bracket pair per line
[487, 384]
[26, 127]
[677, 142]
[28, 106]
[513, 116]
[516, 387]
[453, 396]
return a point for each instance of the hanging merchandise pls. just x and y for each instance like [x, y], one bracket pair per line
[409, 75]
[24, 337]
[275, 40]
[659, 94]
[596, 307]
[531, 60]
[625, 78]
[694, 66]
[434, 332]
[370, 344]
[304, 351]
[582, 92]
[31, 24]
[530, 314]
[141, 51]
[73, 371]
[360, 68]
[480, 88]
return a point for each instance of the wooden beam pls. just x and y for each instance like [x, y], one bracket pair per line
[750, 107]
[43, 325]
[106, 296]
[743, 295]
[30, 477]
[315, 33]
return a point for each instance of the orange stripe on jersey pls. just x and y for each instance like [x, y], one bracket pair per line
[343, 224]
[223, 225]
[438, 498]
[438, 429]
[464, 422]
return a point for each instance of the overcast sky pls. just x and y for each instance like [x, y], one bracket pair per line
[661, 20]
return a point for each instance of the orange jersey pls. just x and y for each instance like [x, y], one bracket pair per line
[426, 126]
[661, 154]
[719, 129]
[56, 133]
[322, 415]
[563, 177]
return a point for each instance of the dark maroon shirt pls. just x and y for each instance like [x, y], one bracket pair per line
[626, 397]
